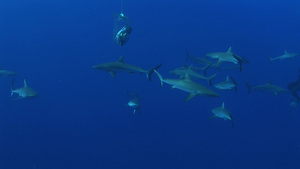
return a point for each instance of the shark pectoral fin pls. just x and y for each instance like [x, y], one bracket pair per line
[190, 96]
[113, 74]
[212, 117]
[219, 63]
[275, 93]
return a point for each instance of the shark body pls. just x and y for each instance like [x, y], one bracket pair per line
[23, 92]
[228, 56]
[268, 87]
[121, 66]
[286, 55]
[182, 71]
[222, 112]
[187, 85]
[227, 84]
[4, 73]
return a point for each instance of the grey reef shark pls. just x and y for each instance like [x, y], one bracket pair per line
[193, 74]
[187, 85]
[23, 92]
[227, 84]
[286, 55]
[5, 73]
[222, 112]
[228, 56]
[121, 66]
[268, 87]
[134, 101]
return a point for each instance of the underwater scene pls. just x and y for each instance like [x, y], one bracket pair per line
[128, 84]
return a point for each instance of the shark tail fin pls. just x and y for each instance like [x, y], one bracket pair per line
[160, 78]
[235, 84]
[149, 72]
[210, 78]
[240, 61]
[249, 87]
[11, 87]
[232, 121]
[206, 67]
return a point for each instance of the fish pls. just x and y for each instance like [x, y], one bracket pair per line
[286, 55]
[121, 66]
[134, 101]
[227, 57]
[268, 87]
[23, 92]
[190, 71]
[222, 112]
[227, 84]
[5, 73]
[187, 85]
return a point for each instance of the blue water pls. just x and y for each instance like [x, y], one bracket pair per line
[80, 119]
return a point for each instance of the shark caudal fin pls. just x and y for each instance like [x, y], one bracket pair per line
[160, 78]
[232, 121]
[249, 87]
[235, 84]
[210, 78]
[149, 72]
[240, 61]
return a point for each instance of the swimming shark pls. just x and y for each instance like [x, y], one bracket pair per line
[190, 71]
[134, 104]
[227, 84]
[23, 92]
[268, 87]
[286, 55]
[222, 112]
[121, 66]
[228, 56]
[187, 85]
[134, 101]
[4, 73]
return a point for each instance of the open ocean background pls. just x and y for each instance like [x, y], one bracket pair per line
[80, 119]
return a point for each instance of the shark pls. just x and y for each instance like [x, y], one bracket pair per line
[228, 56]
[23, 92]
[222, 112]
[134, 104]
[187, 85]
[227, 84]
[190, 71]
[134, 101]
[268, 87]
[4, 73]
[286, 55]
[121, 66]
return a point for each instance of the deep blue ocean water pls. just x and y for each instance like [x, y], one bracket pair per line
[80, 119]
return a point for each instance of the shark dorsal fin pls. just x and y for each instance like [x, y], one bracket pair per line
[187, 77]
[121, 59]
[227, 78]
[270, 82]
[25, 83]
[229, 50]
[223, 105]
[285, 52]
